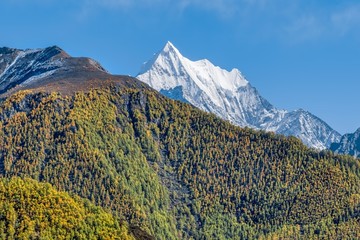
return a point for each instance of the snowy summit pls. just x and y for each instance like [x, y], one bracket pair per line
[230, 96]
[176, 70]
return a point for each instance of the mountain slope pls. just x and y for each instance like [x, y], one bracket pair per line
[23, 67]
[33, 210]
[230, 96]
[175, 171]
[52, 69]
[169, 169]
[349, 144]
[78, 145]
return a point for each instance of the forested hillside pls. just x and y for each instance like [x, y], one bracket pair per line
[175, 171]
[32, 210]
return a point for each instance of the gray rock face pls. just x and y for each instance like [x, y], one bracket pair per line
[23, 67]
[349, 144]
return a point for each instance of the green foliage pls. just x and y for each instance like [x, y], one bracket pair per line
[177, 172]
[32, 210]
[80, 146]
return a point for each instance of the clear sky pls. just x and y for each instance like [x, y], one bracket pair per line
[297, 53]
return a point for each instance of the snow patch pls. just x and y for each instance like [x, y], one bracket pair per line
[40, 76]
[20, 55]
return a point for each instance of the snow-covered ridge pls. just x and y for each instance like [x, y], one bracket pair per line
[22, 67]
[230, 96]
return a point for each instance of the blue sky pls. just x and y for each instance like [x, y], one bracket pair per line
[298, 53]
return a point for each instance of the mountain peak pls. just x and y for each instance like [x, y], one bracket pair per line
[55, 51]
[169, 69]
[168, 55]
[56, 47]
[23, 68]
[229, 95]
[169, 47]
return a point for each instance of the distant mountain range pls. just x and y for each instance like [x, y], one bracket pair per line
[230, 96]
[349, 144]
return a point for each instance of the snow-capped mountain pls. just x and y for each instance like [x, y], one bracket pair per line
[349, 144]
[230, 96]
[24, 67]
